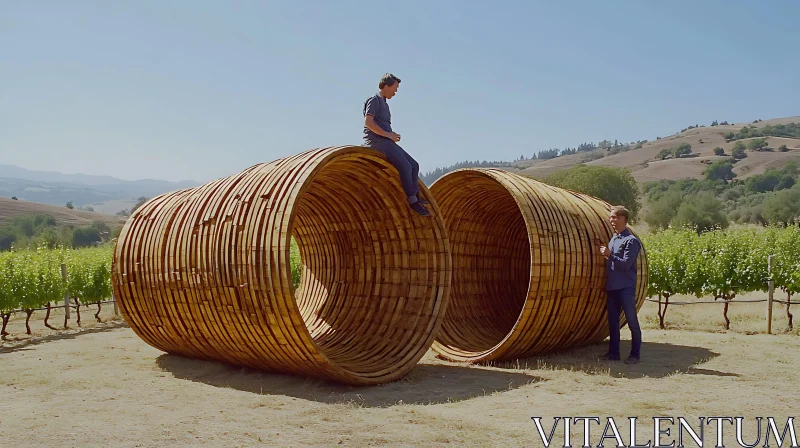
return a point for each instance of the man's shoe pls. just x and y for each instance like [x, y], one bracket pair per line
[608, 357]
[420, 209]
[422, 200]
[632, 360]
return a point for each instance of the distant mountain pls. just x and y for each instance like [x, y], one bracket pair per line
[51, 187]
[18, 172]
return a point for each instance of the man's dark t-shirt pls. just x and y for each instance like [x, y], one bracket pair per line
[377, 106]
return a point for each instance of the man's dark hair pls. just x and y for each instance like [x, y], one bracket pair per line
[620, 210]
[388, 80]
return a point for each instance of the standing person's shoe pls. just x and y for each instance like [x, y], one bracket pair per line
[420, 209]
[632, 360]
[609, 357]
[422, 200]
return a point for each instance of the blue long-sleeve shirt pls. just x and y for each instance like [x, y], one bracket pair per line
[621, 263]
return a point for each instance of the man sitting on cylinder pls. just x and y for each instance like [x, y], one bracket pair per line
[378, 134]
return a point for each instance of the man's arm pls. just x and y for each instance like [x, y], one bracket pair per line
[369, 122]
[629, 255]
[370, 111]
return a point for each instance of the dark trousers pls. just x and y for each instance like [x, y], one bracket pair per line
[403, 162]
[623, 300]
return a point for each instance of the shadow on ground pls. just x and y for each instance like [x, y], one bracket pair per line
[657, 360]
[425, 384]
[23, 342]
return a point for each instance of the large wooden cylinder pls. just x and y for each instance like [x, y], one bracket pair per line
[528, 277]
[205, 272]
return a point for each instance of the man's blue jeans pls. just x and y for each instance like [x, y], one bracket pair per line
[406, 166]
[623, 300]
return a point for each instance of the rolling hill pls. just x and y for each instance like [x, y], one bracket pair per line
[645, 166]
[644, 162]
[10, 208]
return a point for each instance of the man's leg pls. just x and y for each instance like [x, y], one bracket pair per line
[414, 172]
[628, 299]
[397, 157]
[413, 163]
[613, 305]
[405, 165]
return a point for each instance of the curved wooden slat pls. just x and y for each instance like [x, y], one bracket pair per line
[204, 272]
[528, 277]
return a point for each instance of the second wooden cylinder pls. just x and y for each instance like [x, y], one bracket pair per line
[528, 277]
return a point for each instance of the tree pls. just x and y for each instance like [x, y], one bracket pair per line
[85, 236]
[69, 205]
[663, 154]
[760, 183]
[15, 198]
[140, 202]
[614, 185]
[548, 154]
[738, 151]
[661, 211]
[682, 150]
[7, 238]
[786, 182]
[720, 170]
[757, 144]
[702, 212]
[718, 151]
[783, 207]
[783, 148]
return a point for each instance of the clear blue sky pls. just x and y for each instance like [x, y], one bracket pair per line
[199, 90]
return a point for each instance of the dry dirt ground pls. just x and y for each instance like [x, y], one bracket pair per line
[101, 386]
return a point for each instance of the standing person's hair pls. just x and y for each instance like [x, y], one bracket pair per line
[620, 210]
[388, 80]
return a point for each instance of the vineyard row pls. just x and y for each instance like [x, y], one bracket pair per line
[722, 264]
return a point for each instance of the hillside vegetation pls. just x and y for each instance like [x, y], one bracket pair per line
[697, 147]
[30, 224]
[10, 208]
[647, 161]
[703, 177]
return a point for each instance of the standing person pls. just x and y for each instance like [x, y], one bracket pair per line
[378, 134]
[620, 255]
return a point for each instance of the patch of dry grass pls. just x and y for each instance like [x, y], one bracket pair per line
[746, 318]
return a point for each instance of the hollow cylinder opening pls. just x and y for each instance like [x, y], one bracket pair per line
[372, 279]
[491, 259]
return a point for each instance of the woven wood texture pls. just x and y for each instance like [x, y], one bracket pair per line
[528, 277]
[204, 272]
